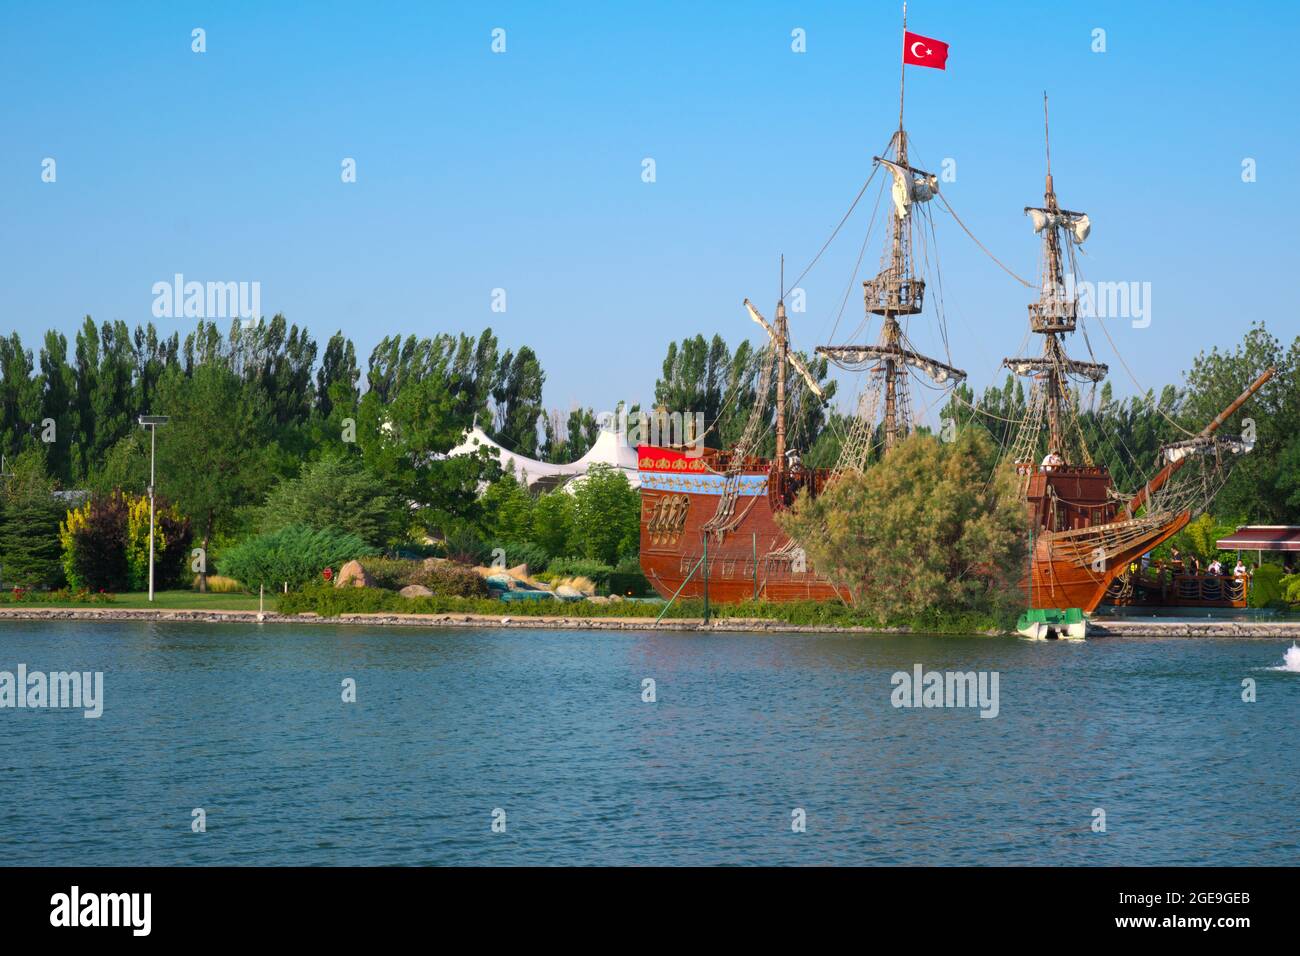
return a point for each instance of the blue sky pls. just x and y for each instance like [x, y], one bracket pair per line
[522, 171]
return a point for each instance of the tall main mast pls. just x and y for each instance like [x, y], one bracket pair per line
[895, 291]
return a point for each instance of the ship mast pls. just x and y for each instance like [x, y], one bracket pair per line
[1053, 316]
[897, 266]
[783, 349]
[895, 291]
[1055, 276]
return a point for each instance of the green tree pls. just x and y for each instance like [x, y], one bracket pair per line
[29, 524]
[57, 384]
[692, 381]
[919, 530]
[338, 492]
[606, 516]
[553, 522]
[1257, 486]
[20, 399]
[507, 510]
[336, 380]
[213, 457]
[517, 393]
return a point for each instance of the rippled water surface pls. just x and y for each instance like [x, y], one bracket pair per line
[550, 726]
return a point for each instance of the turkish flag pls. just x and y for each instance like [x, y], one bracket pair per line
[922, 51]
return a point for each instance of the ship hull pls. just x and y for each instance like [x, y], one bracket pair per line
[751, 559]
[1076, 571]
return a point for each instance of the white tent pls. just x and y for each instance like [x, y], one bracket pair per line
[611, 448]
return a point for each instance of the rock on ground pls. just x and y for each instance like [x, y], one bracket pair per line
[353, 575]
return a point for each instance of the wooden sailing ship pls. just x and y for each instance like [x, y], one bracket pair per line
[709, 519]
[1084, 533]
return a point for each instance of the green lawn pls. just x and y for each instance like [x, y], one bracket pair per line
[171, 601]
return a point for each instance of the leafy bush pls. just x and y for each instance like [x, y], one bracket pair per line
[453, 580]
[392, 573]
[629, 585]
[296, 554]
[1291, 588]
[106, 543]
[628, 579]
[61, 596]
[580, 568]
[1266, 586]
[440, 577]
[172, 539]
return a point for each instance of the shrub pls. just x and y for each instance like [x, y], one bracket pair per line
[60, 596]
[219, 584]
[440, 577]
[1266, 586]
[453, 580]
[295, 554]
[106, 543]
[393, 573]
[580, 567]
[1291, 588]
[94, 544]
[628, 584]
[628, 579]
[463, 545]
[172, 539]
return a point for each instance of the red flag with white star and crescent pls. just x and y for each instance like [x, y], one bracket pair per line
[923, 51]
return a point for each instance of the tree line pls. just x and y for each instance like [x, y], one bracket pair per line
[266, 429]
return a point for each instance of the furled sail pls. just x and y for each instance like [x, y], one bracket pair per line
[910, 185]
[1077, 224]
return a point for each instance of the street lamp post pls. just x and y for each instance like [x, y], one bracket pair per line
[152, 422]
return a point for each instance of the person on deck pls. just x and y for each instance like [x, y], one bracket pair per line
[1052, 461]
[1216, 567]
[1241, 571]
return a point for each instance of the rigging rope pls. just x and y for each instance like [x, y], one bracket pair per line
[834, 233]
[940, 196]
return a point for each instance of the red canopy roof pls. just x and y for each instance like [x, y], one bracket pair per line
[1275, 537]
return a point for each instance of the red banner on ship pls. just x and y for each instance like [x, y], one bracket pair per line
[654, 458]
[923, 51]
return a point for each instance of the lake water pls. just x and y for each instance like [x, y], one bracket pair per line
[550, 727]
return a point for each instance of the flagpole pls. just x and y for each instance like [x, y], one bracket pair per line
[902, 73]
